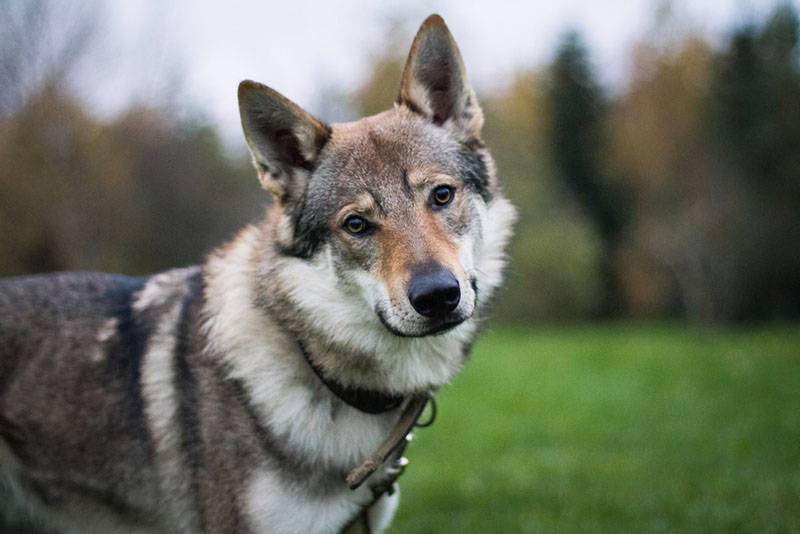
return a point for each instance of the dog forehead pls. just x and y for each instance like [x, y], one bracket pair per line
[376, 153]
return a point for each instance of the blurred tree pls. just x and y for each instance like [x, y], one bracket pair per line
[141, 193]
[554, 255]
[186, 195]
[755, 118]
[578, 136]
[41, 43]
[709, 142]
[380, 90]
[661, 151]
[55, 191]
[138, 193]
[756, 101]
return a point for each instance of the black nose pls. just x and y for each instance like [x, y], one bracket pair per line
[434, 293]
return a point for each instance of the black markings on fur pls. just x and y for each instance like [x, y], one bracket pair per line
[288, 153]
[309, 233]
[186, 386]
[126, 352]
[9, 359]
[378, 201]
[266, 440]
[466, 350]
[289, 150]
[407, 189]
[474, 170]
[410, 105]
[474, 143]
[14, 437]
[291, 467]
[59, 491]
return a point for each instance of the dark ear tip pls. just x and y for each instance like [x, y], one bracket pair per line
[434, 20]
[250, 91]
[247, 87]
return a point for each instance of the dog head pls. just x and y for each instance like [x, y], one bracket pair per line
[398, 203]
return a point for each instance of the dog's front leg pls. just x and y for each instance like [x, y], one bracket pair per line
[377, 517]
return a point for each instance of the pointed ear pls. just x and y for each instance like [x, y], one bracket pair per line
[435, 82]
[283, 139]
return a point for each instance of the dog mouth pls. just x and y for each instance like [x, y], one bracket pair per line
[432, 326]
[440, 327]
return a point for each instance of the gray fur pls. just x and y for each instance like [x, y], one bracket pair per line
[182, 402]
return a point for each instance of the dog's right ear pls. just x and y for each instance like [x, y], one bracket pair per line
[283, 139]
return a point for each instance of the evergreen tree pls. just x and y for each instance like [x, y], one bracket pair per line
[578, 137]
[756, 124]
[757, 111]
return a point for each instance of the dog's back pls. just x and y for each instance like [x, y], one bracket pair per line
[70, 351]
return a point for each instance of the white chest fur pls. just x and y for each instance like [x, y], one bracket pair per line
[275, 507]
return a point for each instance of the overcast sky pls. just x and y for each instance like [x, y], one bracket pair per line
[305, 47]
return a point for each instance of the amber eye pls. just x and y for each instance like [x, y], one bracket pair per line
[356, 225]
[443, 195]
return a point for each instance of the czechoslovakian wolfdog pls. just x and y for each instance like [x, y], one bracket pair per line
[240, 395]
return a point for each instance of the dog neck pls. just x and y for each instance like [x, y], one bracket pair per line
[364, 400]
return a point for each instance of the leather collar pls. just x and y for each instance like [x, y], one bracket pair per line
[364, 400]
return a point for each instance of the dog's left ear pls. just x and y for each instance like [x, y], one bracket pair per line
[435, 81]
[284, 139]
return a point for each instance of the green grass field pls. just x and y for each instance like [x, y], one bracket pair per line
[614, 429]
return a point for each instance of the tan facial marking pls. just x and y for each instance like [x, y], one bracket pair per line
[364, 205]
[397, 248]
[422, 240]
[443, 250]
[424, 179]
